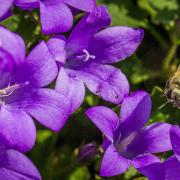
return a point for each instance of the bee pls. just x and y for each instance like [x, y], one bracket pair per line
[172, 89]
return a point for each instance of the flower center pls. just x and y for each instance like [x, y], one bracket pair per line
[121, 145]
[11, 88]
[86, 56]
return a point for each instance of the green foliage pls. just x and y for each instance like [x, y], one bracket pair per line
[148, 69]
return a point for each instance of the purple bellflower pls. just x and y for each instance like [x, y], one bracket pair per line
[57, 15]
[22, 94]
[85, 55]
[170, 168]
[127, 142]
[15, 166]
[5, 8]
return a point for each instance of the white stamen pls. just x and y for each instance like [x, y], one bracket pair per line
[88, 56]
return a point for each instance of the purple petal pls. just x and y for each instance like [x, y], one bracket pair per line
[39, 69]
[56, 47]
[71, 88]
[5, 7]
[135, 112]
[17, 129]
[26, 4]
[84, 5]
[105, 144]
[105, 119]
[13, 45]
[6, 15]
[16, 166]
[152, 139]
[47, 106]
[112, 163]
[175, 140]
[86, 28]
[172, 169]
[144, 160]
[154, 171]
[105, 81]
[55, 16]
[115, 43]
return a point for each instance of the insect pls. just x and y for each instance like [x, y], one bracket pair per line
[172, 89]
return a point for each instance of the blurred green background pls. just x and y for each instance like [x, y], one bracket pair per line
[149, 69]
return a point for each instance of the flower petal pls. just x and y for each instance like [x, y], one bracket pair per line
[56, 47]
[105, 119]
[26, 4]
[84, 5]
[105, 81]
[39, 69]
[172, 169]
[135, 112]
[5, 7]
[144, 160]
[47, 106]
[154, 171]
[17, 129]
[16, 166]
[152, 139]
[12, 44]
[115, 43]
[175, 141]
[71, 88]
[86, 28]
[112, 163]
[55, 16]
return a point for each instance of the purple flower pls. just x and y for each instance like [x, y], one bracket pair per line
[127, 141]
[85, 55]
[56, 15]
[22, 94]
[5, 8]
[170, 168]
[15, 166]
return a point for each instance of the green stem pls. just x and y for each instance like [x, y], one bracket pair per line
[169, 57]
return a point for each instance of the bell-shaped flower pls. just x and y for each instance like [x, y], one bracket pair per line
[170, 168]
[22, 92]
[57, 15]
[127, 142]
[85, 55]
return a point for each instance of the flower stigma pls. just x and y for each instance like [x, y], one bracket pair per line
[86, 56]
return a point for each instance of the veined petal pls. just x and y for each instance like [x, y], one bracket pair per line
[144, 160]
[16, 166]
[105, 119]
[105, 81]
[84, 5]
[39, 68]
[112, 163]
[152, 139]
[71, 88]
[12, 44]
[172, 169]
[175, 141]
[135, 112]
[154, 171]
[56, 47]
[27, 4]
[5, 7]
[115, 43]
[55, 16]
[86, 28]
[17, 129]
[47, 106]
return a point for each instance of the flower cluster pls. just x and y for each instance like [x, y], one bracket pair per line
[83, 59]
